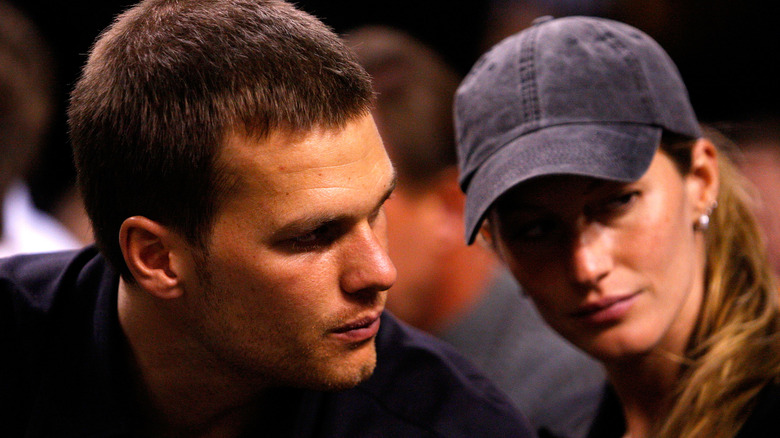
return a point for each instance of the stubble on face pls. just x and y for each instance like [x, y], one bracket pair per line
[264, 312]
[291, 367]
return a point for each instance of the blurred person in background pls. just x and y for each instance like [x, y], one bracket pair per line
[26, 106]
[68, 30]
[461, 293]
[756, 150]
[506, 17]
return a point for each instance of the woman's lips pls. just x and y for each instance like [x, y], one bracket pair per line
[359, 330]
[606, 310]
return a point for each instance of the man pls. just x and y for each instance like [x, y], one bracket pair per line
[457, 292]
[235, 181]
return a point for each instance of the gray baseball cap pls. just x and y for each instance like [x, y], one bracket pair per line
[575, 95]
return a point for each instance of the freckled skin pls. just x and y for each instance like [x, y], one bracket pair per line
[601, 242]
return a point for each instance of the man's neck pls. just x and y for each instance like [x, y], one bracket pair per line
[181, 392]
[231, 423]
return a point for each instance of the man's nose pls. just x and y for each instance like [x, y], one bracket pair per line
[366, 264]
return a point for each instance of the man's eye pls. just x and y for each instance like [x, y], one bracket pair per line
[372, 219]
[305, 239]
[317, 238]
[309, 239]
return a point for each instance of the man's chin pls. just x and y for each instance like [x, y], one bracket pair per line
[349, 380]
[350, 372]
[336, 372]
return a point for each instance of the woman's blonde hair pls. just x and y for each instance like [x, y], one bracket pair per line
[735, 348]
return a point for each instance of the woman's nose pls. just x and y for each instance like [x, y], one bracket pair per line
[591, 254]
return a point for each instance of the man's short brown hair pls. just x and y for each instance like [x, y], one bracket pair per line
[168, 80]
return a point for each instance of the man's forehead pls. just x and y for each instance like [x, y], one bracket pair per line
[311, 215]
[295, 172]
[286, 150]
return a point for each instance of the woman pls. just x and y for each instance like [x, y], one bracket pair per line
[586, 171]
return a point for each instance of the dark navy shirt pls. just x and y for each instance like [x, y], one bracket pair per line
[66, 372]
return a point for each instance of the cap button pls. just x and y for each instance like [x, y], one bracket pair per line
[542, 19]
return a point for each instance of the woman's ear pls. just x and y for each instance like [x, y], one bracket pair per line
[451, 202]
[485, 237]
[148, 249]
[703, 179]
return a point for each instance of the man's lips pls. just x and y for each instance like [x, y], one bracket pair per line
[358, 330]
[605, 310]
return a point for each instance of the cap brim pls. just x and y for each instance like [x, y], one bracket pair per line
[611, 151]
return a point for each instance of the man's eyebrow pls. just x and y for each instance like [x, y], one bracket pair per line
[389, 191]
[307, 224]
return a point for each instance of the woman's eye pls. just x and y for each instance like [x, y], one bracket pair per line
[617, 203]
[534, 230]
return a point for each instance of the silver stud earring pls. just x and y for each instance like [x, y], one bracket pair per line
[703, 223]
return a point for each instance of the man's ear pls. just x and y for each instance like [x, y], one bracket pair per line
[703, 178]
[149, 251]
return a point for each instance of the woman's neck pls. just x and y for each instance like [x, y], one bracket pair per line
[647, 384]
[645, 387]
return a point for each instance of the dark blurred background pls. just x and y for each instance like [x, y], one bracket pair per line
[726, 50]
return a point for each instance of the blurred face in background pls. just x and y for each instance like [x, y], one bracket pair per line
[414, 227]
[760, 163]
